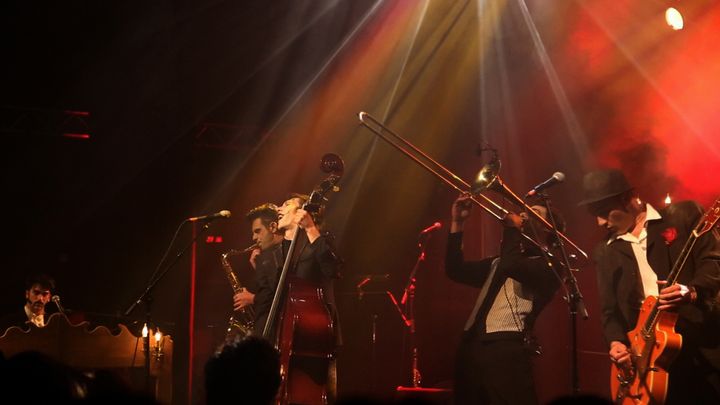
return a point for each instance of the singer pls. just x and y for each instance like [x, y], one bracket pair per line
[317, 260]
[314, 260]
[493, 364]
[38, 290]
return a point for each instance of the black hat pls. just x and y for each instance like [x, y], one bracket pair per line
[602, 184]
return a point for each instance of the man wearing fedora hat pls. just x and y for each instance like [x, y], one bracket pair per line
[632, 263]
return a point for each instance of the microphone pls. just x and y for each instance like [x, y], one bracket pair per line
[557, 177]
[221, 214]
[436, 225]
[56, 300]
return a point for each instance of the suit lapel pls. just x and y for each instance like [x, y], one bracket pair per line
[630, 282]
[657, 253]
[623, 247]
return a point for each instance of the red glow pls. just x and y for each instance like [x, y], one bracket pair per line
[656, 114]
[209, 239]
[218, 239]
[77, 113]
[76, 136]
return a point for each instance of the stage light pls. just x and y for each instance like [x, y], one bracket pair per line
[674, 19]
[667, 199]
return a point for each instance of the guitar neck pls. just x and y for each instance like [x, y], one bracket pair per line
[678, 266]
[681, 260]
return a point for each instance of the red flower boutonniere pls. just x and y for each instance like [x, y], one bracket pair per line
[670, 234]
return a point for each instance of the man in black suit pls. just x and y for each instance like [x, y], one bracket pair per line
[316, 264]
[632, 264]
[314, 259]
[265, 234]
[38, 290]
[494, 360]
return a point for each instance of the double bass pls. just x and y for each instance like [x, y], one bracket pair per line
[654, 344]
[299, 322]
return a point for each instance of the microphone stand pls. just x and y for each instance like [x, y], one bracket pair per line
[408, 299]
[146, 298]
[574, 298]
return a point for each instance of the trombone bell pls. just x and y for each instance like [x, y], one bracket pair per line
[487, 178]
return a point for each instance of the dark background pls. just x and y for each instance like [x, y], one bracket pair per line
[196, 106]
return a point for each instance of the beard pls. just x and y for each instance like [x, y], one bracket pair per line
[36, 307]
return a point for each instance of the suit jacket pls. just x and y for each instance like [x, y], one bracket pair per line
[525, 266]
[315, 262]
[19, 319]
[621, 292]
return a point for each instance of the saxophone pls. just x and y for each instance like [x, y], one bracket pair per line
[241, 322]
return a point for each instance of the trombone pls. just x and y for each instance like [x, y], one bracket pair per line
[487, 179]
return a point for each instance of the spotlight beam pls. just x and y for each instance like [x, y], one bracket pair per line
[301, 94]
[430, 56]
[387, 113]
[577, 135]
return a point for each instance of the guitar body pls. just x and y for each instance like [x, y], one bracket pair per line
[646, 382]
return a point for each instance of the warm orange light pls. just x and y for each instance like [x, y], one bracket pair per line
[667, 199]
[674, 19]
[145, 331]
[158, 336]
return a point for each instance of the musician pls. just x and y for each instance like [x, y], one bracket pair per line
[38, 290]
[314, 260]
[265, 234]
[632, 264]
[493, 362]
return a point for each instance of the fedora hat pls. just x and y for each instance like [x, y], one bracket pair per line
[601, 184]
